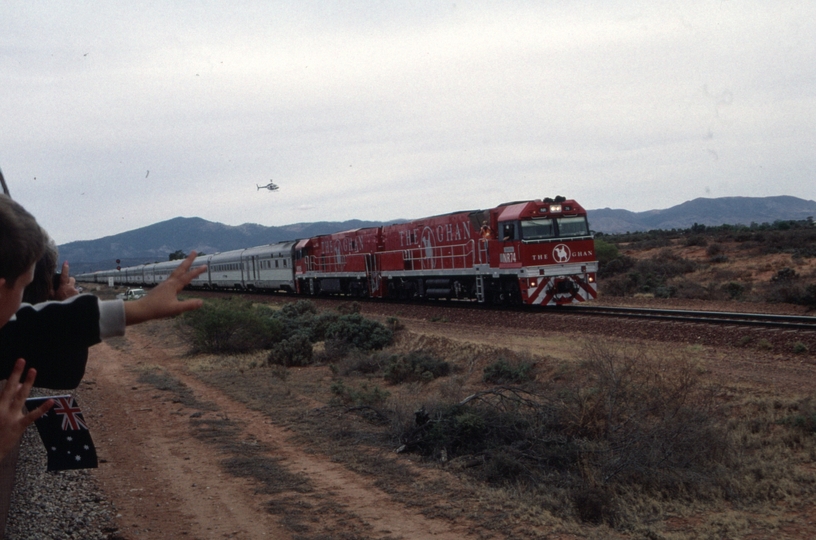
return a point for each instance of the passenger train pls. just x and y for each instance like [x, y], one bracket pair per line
[538, 252]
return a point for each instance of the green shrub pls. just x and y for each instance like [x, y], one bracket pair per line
[501, 372]
[804, 418]
[605, 251]
[359, 363]
[415, 366]
[734, 290]
[696, 240]
[714, 250]
[618, 265]
[230, 325]
[294, 351]
[364, 396]
[334, 350]
[360, 332]
[394, 324]
[800, 348]
[619, 420]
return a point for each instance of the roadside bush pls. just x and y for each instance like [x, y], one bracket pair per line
[620, 421]
[615, 266]
[715, 249]
[334, 350]
[230, 325]
[734, 290]
[502, 372]
[415, 366]
[803, 418]
[604, 251]
[791, 291]
[786, 274]
[696, 240]
[364, 396]
[294, 351]
[665, 265]
[360, 332]
[359, 363]
[301, 307]
[624, 285]
[319, 325]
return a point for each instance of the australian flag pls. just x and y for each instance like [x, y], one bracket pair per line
[65, 435]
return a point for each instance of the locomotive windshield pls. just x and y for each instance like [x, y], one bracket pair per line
[544, 228]
[573, 226]
[537, 229]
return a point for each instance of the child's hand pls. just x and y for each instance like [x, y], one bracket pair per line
[162, 301]
[67, 284]
[13, 422]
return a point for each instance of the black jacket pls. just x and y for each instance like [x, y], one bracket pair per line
[53, 338]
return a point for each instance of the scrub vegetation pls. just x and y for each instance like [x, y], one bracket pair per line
[713, 263]
[620, 440]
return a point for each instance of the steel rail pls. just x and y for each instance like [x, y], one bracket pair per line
[791, 322]
[762, 320]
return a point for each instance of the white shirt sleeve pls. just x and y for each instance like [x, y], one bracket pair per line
[111, 318]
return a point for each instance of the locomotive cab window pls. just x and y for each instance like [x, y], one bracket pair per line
[537, 229]
[507, 230]
[573, 226]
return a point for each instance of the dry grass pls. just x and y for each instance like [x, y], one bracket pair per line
[763, 463]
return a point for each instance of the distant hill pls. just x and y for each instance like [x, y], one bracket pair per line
[720, 211]
[155, 242]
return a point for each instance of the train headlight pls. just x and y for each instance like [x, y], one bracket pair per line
[555, 208]
[533, 283]
[591, 279]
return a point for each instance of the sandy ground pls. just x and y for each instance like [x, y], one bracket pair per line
[167, 482]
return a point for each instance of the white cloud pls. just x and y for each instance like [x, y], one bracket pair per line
[386, 110]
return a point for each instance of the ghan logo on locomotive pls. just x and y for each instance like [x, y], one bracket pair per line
[345, 245]
[449, 232]
[561, 253]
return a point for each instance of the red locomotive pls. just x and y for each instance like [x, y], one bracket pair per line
[530, 252]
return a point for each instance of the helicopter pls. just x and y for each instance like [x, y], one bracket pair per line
[271, 186]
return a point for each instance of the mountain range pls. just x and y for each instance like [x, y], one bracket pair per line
[155, 242]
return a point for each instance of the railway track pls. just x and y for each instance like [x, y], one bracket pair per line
[761, 320]
[789, 322]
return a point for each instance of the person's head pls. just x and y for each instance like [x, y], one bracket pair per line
[22, 243]
[42, 288]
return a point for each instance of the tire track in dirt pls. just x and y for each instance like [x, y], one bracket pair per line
[158, 472]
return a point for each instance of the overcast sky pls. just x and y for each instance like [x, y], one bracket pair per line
[118, 115]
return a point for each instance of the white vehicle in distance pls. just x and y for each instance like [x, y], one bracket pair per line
[131, 294]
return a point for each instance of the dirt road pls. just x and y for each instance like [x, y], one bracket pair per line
[170, 482]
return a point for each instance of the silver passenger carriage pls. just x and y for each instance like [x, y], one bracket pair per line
[269, 267]
[226, 270]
